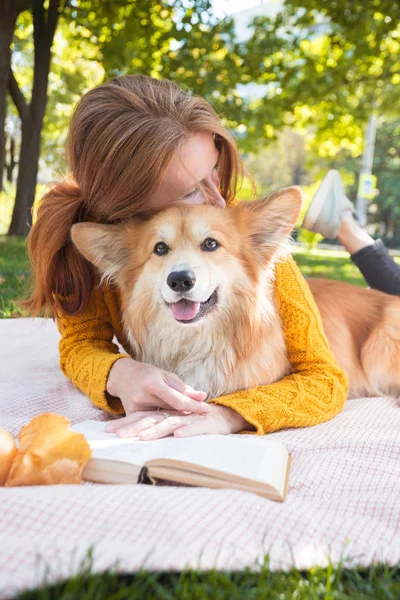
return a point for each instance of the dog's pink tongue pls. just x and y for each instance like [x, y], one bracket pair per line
[185, 310]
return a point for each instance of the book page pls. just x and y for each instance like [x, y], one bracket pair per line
[252, 457]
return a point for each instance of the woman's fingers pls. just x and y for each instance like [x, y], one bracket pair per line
[177, 400]
[134, 429]
[154, 425]
[138, 415]
[197, 426]
[166, 427]
[174, 382]
[145, 402]
[181, 426]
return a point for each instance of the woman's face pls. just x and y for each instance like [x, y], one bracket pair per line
[196, 161]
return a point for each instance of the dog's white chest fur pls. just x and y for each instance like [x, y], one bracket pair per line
[205, 357]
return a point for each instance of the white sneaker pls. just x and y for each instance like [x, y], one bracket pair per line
[328, 206]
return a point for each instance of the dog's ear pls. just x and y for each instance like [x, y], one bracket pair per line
[270, 221]
[105, 246]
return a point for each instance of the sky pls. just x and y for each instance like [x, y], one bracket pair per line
[228, 7]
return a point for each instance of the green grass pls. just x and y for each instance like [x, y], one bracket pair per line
[375, 583]
[14, 271]
[330, 583]
[332, 264]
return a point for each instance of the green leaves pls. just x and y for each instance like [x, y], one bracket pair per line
[340, 60]
[323, 66]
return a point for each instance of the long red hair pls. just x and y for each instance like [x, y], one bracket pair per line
[122, 137]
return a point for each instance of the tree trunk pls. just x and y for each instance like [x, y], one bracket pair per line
[27, 174]
[12, 163]
[297, 174]
[44, 23]
[8, 16]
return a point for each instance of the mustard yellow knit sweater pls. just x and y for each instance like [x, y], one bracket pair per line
[313, 393]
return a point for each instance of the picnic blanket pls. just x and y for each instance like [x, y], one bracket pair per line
[343, 500]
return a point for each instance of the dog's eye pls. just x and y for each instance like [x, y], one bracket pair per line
[209, 245]
[160, 249]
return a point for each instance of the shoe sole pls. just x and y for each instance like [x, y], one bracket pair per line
[317, 202]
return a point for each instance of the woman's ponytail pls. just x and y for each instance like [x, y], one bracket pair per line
[60, 274]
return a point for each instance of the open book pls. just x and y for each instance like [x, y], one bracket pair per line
[252, 464]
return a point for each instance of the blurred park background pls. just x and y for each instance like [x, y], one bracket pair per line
[295, 81]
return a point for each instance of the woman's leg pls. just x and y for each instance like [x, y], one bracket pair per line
[379, 269]
[331, 214]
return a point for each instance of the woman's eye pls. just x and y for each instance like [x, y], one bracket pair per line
[209, 245]
[161, 249]
[192, 193]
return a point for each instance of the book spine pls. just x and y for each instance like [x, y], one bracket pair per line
[144, 477]
[147, 479]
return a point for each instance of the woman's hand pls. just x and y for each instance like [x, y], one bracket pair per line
[142, 387]
[152, 425]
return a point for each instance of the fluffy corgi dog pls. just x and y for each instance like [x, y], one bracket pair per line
[196, 285]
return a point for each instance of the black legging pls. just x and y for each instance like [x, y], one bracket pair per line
[379, 269]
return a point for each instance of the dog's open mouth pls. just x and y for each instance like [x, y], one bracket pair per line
[188, 311]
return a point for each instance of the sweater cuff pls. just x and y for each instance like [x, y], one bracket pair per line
[99, 395]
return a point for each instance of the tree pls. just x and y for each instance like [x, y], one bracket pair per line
[127, 36]
[9, 11]
[324, 67]
[32, 112]
[327, 64]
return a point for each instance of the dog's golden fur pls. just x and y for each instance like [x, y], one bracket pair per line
[238, 344]
[363, 330]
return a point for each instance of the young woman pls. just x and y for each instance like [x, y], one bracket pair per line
[137, 143]
[331, 214]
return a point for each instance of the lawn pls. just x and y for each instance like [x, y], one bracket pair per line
[327, 583]
[376, 583]
[14, 272]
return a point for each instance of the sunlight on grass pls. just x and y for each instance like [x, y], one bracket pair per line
[332, 264]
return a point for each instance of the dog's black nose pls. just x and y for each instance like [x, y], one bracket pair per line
[181, 281]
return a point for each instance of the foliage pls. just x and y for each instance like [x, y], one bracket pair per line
[329, 64]
[96, 41]
[319, 68]
[93, 43]
[324, 67]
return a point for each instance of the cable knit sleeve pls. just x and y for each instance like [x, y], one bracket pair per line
[317, 388]
[87, 352]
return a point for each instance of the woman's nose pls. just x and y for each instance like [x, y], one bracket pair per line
[215, 194]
